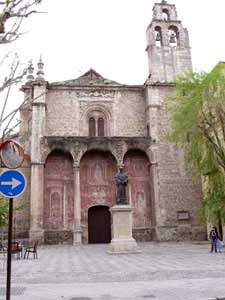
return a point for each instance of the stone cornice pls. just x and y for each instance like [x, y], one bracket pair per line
[97, 87]
[30, 85]
[97, 140]
[161, 84]
[39, 104]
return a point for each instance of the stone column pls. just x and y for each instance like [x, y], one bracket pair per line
[37, 203]
[65, 221]
[159, 213]
[77, 238]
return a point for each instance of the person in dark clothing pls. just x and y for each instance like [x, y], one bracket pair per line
[213, 235]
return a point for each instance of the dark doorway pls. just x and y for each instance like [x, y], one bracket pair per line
[99, 225]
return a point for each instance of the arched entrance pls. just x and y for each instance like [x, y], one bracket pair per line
[99, 225]
[97, 171]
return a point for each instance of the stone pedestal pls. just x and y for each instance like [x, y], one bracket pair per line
[122, 241]
[36, 235]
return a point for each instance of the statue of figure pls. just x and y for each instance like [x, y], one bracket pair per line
[121, 179]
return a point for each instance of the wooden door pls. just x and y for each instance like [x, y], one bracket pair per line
[99, 225]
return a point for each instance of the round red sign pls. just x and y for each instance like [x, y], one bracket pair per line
[12, 154]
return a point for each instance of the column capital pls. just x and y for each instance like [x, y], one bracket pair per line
[76, 166]
[120, 165]
[154, 163]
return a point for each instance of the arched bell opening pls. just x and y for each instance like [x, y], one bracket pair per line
[158, 36]
[173, 36]
[165, 15]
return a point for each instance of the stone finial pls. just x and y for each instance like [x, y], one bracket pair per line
[40, 72]
[30, 71]
[164, 2]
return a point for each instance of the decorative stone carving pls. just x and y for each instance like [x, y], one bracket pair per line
[77, 146]
[76, 151]
[95, 95]
[118, 150]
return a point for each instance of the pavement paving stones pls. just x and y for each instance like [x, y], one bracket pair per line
[162, 271]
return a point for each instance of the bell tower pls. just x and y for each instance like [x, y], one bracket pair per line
[168, 44]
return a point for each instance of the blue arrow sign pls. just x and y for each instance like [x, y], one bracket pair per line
[12, 183]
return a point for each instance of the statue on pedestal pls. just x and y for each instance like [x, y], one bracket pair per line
[121, 179]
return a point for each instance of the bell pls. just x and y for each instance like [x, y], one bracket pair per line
[173, 38]
[158, 37]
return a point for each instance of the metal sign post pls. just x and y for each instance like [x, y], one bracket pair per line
[12, 184]
[8, 282]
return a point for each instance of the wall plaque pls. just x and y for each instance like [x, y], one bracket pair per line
[183, 215]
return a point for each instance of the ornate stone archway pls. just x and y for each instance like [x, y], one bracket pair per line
[77, 147]
[97, 188]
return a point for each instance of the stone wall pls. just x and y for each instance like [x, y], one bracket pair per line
[129, 111]
[62, 114]
[181, 233]
[178, 191]
[143, 234]
[67, 111]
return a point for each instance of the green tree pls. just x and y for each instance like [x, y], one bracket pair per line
[197, 110]
[4, 208]
[4, 213]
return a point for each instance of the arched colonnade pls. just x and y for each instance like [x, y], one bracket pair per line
[79, 184]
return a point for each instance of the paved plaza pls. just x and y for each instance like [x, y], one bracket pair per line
[162, 271]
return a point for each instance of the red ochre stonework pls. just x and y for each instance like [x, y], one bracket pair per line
[58, 192]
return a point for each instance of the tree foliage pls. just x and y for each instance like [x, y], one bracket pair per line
[4, 210]
[198, 125]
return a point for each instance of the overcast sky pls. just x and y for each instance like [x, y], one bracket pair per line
[109, 36]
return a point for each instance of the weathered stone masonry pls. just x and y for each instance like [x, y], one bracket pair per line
[76, 133]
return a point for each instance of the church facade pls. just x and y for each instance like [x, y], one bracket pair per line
[77, 133]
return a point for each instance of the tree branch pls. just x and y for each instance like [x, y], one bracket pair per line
[20, 106]
[6, 132]
[221, 115]
[12, 80]
[219, 156]
[15, 9]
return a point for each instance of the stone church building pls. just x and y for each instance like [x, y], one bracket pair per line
[77, 133]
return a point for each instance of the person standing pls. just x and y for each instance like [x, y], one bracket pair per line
[213, 235]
